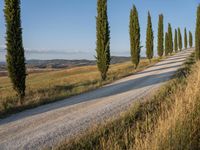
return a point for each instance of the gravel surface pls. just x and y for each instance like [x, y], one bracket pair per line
[49, 124]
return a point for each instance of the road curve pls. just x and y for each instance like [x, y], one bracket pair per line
[46, 125]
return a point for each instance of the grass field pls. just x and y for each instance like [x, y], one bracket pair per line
[56, 85]
[168, 121]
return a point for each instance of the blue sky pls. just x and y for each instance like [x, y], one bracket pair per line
[69, 25]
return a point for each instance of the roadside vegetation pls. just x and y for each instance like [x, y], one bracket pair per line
[134, 33]
[180, 42]
[149, 39]
[103, 39]
[160, 39]
[169, 120]
[15, 50]
[185, 39]
[56, 85]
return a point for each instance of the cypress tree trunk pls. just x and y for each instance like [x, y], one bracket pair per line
[160, 47]
[166, 44]
[103, 39]
[175, 41]
[190, 39]
[134, 31]
[197, 34]
[180, 45]
[170, 38]
[185, 38]
[14, 45]
[149, 39]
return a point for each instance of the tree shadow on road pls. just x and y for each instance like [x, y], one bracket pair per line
[106, 91]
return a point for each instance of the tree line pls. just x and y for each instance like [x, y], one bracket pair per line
[165, 45]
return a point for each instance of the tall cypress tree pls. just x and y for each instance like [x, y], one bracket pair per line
[170, 36]
[103, 39]
[185, 38]
[175, 41]
[149, 39]
[197, 34]
[166, 44]
[160, 39]
[134, 31]
[14, 45]
[180, 44]
[190, 39]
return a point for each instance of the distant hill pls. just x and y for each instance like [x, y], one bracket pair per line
[61, 63]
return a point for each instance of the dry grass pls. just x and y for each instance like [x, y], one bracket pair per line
[51, 86]
[168, 121]
[178, 128]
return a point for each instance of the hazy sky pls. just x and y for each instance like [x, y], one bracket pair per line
[70, 24]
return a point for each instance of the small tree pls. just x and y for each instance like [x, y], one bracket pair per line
[134, 31]
[166, 44]
[197, 34]
[149, 39]
[180, 45]
[185, 38]
[175, 41]
[190, 39]
[103, 39]
[14, 45]
[160, 47]
[170, 38]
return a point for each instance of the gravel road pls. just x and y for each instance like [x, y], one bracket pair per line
[47, 125]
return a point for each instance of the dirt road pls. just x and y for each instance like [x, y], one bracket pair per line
[47, 125]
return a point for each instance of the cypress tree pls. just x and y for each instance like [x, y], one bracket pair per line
[14, 46]
[134, 31]
[185, 38]
[197, 34]
[149, 39]
[190, 39]
[103, 39]
[180, 45]
[166, 44]
[160, 39]
[170, 38]
[175, 41]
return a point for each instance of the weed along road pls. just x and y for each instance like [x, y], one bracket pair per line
[49, 124]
